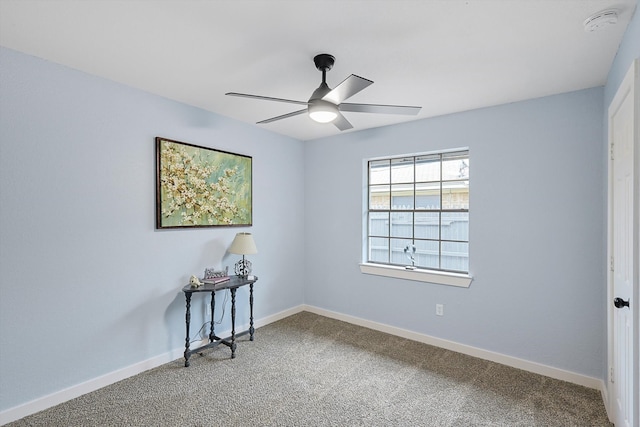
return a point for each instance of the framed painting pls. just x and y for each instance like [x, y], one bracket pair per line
[201, 187]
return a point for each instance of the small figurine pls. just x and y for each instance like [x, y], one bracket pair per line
[410, 250]
[195, 282]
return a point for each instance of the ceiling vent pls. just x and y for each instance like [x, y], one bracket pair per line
[600, 20]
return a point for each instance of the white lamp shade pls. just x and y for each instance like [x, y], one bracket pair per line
[243, 244]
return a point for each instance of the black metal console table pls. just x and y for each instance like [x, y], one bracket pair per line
[232, 284]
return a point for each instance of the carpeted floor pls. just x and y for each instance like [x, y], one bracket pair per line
[309, 370]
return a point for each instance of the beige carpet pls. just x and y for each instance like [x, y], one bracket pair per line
[309, 370]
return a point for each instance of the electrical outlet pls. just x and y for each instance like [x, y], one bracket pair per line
[439, 310]
[207, 310]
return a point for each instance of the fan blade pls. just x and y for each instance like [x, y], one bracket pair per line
[380, 109]
[265, 98]
[284, 116]
[342, 123]
[349, 87]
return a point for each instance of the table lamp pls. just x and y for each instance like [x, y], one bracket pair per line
[243, 244]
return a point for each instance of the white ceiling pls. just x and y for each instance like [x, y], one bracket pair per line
[444, 55]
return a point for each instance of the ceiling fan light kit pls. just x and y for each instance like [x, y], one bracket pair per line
[325, 104]
[322, 111]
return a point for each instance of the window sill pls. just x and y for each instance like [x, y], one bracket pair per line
[420, 275]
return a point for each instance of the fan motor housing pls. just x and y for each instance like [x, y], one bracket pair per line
[320, 92]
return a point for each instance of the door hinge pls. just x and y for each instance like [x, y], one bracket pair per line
[611, 264]
[612, 151]
[611, 377]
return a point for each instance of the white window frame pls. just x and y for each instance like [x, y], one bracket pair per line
[421, 274]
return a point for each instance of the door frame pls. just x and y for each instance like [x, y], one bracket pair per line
[630, 81]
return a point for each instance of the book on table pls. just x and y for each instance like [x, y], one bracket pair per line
[216, 280]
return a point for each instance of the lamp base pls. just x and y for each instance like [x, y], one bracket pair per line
[243, 268]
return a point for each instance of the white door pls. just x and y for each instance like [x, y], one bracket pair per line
[623, 249]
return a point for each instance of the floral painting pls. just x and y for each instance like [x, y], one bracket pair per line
[201, 187]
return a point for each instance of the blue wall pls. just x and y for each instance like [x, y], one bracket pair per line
[87, 285]
[628, 51]
[536, 231]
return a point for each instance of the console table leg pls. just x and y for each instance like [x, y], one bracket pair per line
[251, 329]
[233, 323]
[213, 300]
[188, 320]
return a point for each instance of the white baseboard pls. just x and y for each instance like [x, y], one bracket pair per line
[604, 391]
[279, 316]
[514, 362]
[74, 391]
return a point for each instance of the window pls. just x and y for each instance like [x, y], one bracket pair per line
[418, 211]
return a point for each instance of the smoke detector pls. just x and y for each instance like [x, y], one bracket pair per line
[601, 20]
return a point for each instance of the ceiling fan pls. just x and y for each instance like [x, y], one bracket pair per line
[326, 104]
